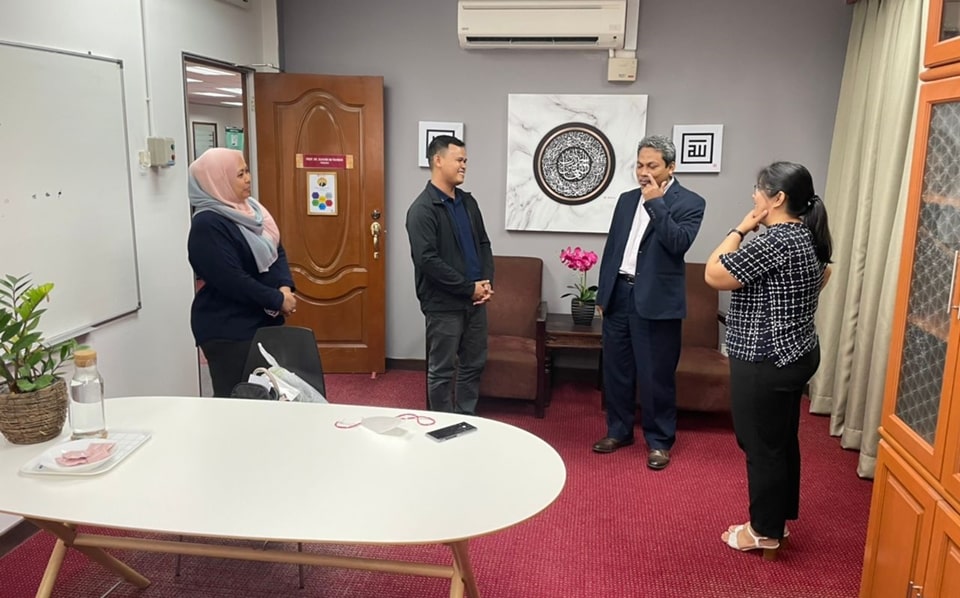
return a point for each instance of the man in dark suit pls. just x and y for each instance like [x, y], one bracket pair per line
[642, 296]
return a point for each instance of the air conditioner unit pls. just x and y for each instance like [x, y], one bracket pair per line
[240, 3]
[543, 24]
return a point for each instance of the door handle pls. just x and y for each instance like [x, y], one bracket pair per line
[953, 284]
[376, 229]
[914, 591]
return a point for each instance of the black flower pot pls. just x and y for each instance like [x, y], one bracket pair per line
[582, 311]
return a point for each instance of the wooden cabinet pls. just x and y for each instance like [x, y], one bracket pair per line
[926, 331]
[943, 33]
[901, 526]
[913, 538]
[943, 567]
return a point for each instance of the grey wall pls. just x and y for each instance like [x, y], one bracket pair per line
[768, 70]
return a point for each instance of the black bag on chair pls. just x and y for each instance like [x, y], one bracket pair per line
[252, 390]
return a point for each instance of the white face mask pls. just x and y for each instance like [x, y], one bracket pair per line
[386, 424]
[382, 424]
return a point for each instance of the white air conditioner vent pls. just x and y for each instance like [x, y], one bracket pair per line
[240, 3]
[543, 24]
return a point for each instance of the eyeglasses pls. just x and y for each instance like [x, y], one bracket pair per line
[766, 190]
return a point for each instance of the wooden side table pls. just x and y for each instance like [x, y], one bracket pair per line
[562, 333]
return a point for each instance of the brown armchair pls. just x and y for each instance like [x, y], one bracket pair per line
[703, 374]
[516, 328]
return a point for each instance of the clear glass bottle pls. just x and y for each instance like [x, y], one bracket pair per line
[86, 397]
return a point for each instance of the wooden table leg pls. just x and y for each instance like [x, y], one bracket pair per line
[53, 568]
[461, 564]
[456, 583]
[548, 374]
[115, 565]
[67, 534]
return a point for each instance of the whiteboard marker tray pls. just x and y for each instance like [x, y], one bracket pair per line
[126, 441]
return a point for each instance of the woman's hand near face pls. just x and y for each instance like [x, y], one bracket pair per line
[751, 222]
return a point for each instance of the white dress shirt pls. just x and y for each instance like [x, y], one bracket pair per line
[640, 221]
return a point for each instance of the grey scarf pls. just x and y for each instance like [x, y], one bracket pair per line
[262, 246]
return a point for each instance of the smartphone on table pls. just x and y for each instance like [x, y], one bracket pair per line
[448, 432]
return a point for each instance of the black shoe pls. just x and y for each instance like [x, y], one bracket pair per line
[608, 445]
[658, 458]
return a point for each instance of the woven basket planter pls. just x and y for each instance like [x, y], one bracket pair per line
[32, 417]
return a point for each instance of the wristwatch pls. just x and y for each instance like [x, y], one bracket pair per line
[735, 230]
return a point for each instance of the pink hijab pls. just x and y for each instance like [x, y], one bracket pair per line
[215, 171]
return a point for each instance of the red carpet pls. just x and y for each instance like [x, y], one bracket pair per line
[617, 530]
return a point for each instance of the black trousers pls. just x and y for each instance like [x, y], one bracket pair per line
[226, 360]
[456, 354]
[766, 418]
[640, 356]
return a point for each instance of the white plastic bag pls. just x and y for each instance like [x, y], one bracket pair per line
[267, 379]
[307, 393]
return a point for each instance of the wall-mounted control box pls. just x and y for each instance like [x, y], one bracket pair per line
[622, 69]
[162, 151]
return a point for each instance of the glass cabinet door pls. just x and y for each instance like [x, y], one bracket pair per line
[943, 33]
[926, 328]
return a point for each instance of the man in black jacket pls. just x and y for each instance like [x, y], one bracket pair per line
[453, 266]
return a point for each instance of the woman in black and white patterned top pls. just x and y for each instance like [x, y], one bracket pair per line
[772, 341]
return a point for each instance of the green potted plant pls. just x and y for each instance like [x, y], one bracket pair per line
[33, 398]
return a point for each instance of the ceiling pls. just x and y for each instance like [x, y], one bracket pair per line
[202, 80]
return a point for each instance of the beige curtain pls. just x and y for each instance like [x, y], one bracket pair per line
[865, 197]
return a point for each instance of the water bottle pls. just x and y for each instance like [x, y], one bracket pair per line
[86, 397]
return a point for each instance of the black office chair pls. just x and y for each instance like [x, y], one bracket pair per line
[295, 349]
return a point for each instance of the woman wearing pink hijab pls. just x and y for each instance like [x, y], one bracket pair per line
[234, 247]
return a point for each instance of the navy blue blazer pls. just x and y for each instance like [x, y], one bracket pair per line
[659, 292]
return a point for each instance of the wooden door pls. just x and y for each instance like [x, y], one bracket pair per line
[327, 204]
[926, 330]
[943, 571]
[898, 535]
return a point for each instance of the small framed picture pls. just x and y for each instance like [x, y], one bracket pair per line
[430, 129]
[321, 194]
[699, 147]
[204, 137]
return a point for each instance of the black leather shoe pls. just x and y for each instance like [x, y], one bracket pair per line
[608, 445]
[658, 458]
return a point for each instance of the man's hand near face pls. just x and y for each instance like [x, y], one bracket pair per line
[650, 189]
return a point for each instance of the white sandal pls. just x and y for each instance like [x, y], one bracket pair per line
[783, 540]
[769, 548]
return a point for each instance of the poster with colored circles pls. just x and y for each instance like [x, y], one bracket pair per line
[322, 193]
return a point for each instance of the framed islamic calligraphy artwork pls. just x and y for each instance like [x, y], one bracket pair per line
[573, 163]
[570, 158]
[699, 147]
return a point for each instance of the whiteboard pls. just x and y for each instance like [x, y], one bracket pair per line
[66, 210]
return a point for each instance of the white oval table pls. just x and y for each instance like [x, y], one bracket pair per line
[264, 470]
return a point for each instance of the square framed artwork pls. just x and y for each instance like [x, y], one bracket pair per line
[321, 194]
[430, 129]
[699, 147]
[570, 158]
